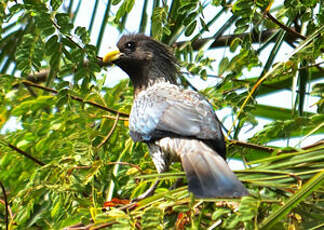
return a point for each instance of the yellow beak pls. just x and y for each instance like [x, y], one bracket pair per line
[111, 56]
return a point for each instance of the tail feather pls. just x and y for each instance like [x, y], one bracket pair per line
[209, 175]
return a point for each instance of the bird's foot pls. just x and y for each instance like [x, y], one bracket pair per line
[148, 192]
[176, 184]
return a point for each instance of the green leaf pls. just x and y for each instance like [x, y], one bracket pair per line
[295, 127]
[83, 34]
[217, 2]
[33, 105]
[68, 43]
[16, 8]
[241, 29]
[181, 208]
[52, 45]
[318, 90]
[223, 65]
[57, 207]
[241, 5]
[294, 200]
[190, 29]
[151, 218]
[125, 8]
[77, 55]
[115, 2]
[220, 212]
[29, 53]
[242, 22]
[187, 7]
[274, 113]
[56, 4]
[190, 18]
[248, 208]
[158, 17]
[203, 24]
[63, 20]
[235, 43]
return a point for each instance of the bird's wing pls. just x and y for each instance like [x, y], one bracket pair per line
[171, 110]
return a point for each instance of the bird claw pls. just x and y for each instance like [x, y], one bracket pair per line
[176, 184]
[147, 193]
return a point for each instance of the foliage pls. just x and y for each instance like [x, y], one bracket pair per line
[72, 162]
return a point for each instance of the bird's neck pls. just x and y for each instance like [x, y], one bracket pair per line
[151, 75]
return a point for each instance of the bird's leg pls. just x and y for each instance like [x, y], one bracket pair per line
[151, 190]
[176, 184]
[161, 163]
[148, 192]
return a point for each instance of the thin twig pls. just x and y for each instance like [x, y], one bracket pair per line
[74, 227]
[42, 75]
[313, 65]
[297, 178]
[74, 98]
[10, 211]
[22, 152]
[78, 167]
[99, 59]
[252, 146]
[190, 85]
[109, 163]
[68, 37]
[80, 226]
[103, 226]
[126, 163]
[286, 28]
[256, 37]
[110, 132]
[114, 118]
[318, 143]
[6, 205]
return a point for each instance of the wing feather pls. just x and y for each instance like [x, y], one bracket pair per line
[159, 111]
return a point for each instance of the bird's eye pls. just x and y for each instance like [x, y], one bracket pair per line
[130, 45]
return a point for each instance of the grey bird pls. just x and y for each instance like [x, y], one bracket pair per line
[177, 124]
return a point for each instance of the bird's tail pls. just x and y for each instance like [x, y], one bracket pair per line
[208, 173]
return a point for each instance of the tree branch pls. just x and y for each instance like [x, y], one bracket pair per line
[225, 40]
[110, 132]
[75, 98]
[42, 75]
[313, 65]
[10, 211]
[22, 152]
[6, 205]
[251, 146]
[318, 143]
[288, 29]
[114, 118]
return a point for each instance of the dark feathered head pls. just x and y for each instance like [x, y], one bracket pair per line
[145, 60]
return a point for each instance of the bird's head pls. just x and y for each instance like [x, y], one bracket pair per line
[145, 60]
